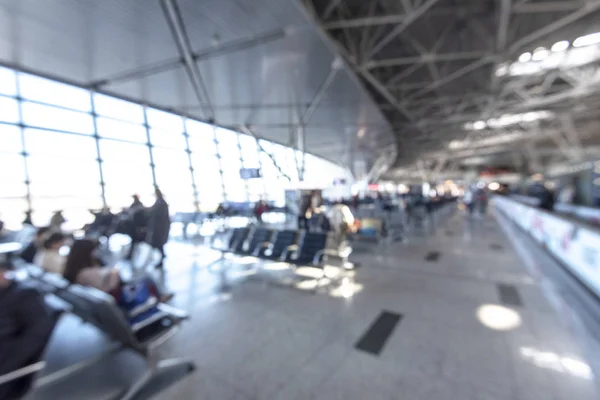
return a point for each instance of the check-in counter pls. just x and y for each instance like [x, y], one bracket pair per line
[576, 244]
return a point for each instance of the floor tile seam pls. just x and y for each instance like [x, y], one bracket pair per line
[435, 274]
[512, 368]
[221, 380]
[279, 385]
[325, 377]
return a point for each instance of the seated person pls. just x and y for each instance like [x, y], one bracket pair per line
[29, 252]
[82, 268]
[25, 327]
[49, 258]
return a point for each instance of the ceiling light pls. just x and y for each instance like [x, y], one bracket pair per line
[560, 46]
[587, 40]
[479, 125]
[361, 132]
[494, 186]
[502, 70]
[525, 57]
[540, 53]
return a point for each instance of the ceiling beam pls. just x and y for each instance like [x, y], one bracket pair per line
[503, 24]
[549, 6]
[410, 18]
[386, 94]
[182, 40]
[426, 58]
[365, 22]
[456, 74]
[198, 55]
[587, 9]
[527, 8]
[333, 4]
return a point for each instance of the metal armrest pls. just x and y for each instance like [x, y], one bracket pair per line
[148, 321]
[56, 304]
[28, 370]
[290, 249]
[34, 271]
[142, 308]
[263, 246]
[342, 253]
[322, 253]
[174, 312]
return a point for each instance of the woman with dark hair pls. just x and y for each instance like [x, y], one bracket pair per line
[83, 268]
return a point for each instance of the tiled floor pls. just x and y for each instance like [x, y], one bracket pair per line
[258, 340]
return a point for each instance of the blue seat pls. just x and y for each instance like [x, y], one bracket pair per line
[310, 250]
[281, 242]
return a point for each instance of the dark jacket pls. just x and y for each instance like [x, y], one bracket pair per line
[29, 252]
[159, 224]
[26, 324]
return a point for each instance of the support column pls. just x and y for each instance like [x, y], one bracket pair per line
[24, 152]
[188, 151]
[149, 145]
[99, 159]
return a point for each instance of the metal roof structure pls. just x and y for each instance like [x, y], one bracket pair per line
[508, 81]
[257, 66]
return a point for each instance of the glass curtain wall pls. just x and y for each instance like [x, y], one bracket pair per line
[65, 148]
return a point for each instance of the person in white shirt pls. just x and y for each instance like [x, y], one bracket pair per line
[49, 257]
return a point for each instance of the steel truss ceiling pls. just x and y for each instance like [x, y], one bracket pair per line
[431, 67]
[253, 66]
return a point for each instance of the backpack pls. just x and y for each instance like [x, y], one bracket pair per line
[138, 300]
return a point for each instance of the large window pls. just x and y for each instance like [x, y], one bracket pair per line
[231, 163]
[206, 164]
[63, 174]
[126, 171]
[13, 200]
[64, 148]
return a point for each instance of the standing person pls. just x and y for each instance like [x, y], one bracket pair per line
[25, 327]
[28, 220]
[469, 200]
[159, 225]
[304, 207]
[56, 221]
[29, 252]
[482, 201]
[136, 224]
[259, 209]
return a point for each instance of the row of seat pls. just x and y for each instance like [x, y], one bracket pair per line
[100, 310]
[297, 248]
[16, 384]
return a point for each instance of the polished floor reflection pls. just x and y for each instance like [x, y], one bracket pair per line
[476, 323]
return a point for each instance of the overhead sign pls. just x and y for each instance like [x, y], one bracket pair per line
[249, 173]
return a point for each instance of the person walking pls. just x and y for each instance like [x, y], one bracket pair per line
[159, 225]
[136, 224]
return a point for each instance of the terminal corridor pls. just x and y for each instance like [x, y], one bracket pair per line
[300, 200]
[474, 323]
